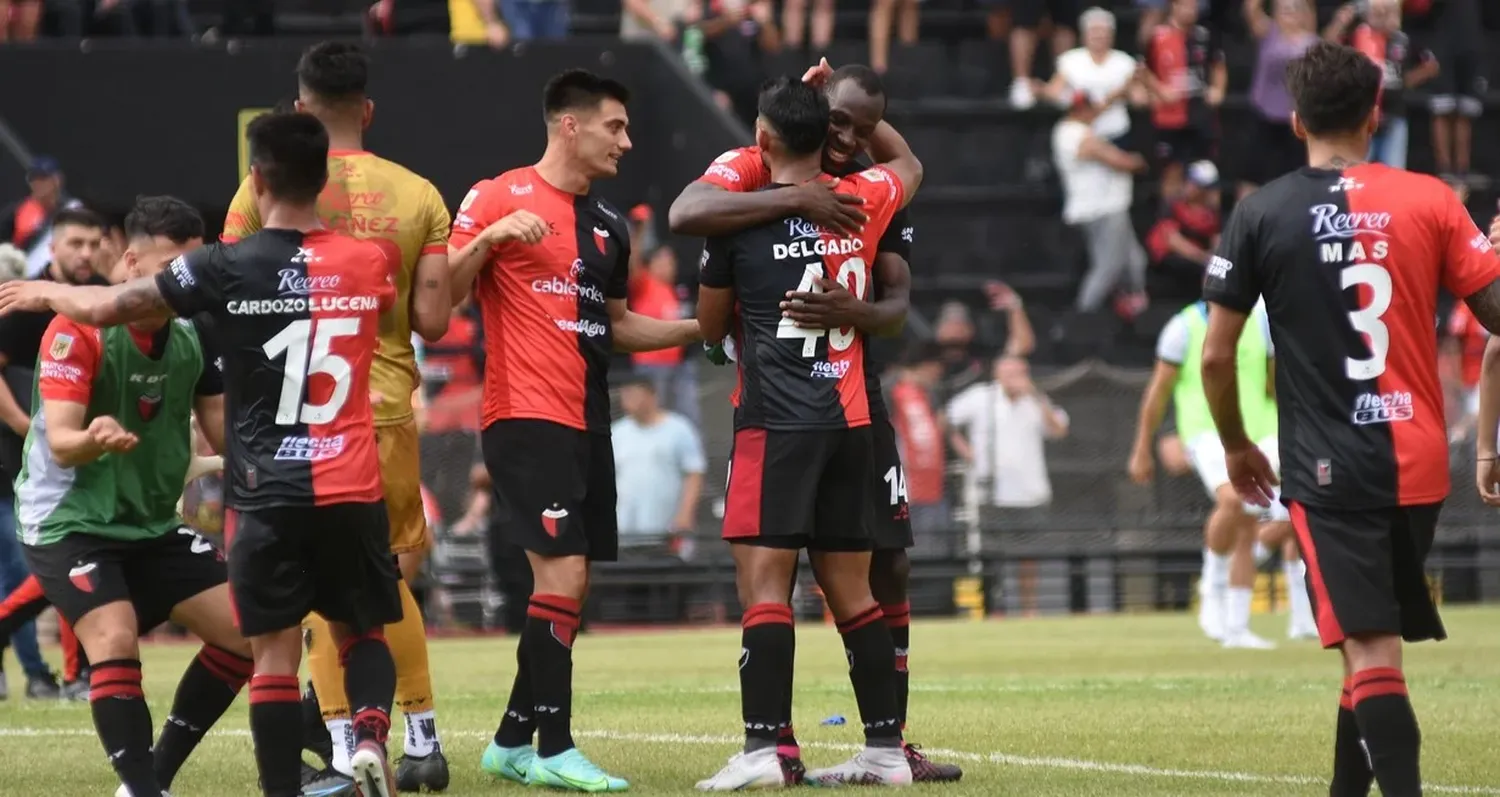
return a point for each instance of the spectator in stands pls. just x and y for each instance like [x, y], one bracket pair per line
[451, 369]
[655, 293]
[19, 20]
[794, 16]
[659, 467]
[1187, 79]
[647, 20]
[1000, 429]
[1097, 182]
[1282, 37]
[1154, 13]
[736, 35]
[1106, 75]
[417, 17]
[26, 222]
[1460, 86]
[1406, 67]
[1185, 237]
[919, 437]
[77, 19]
[1026, 18]
[961, 355]
[904, 15]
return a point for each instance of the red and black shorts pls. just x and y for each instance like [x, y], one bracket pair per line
[554, 488]
[800, 489]
[890, 516]
[1366, 571]
[81, 572]
[287, 562]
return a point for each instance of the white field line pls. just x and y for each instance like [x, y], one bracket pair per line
[1002, 759]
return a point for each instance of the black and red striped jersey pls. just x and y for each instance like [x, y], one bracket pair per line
[1350, 262]
[297, 317]
[791, 378]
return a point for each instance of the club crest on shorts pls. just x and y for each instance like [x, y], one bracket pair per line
[552, 520]
[601, 240]
[82, 576]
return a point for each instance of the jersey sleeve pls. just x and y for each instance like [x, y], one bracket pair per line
[1172, 343]
[883, 194]
[194, 282]
[1469, 262]
[243, 218]
[437, 221]
[716, 267]
[740, 170]
[68, 361]
[481, 207]
[211, 381]
[1231, 278]
[898, 236]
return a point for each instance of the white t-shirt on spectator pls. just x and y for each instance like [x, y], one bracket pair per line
[634, 30]
[1091, 190]
[650, 464]
[1099, 81]
[1008, 440]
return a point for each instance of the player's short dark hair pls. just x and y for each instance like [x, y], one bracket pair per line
[78, 217]
[290, 150]
[798, 112]
[334, 71]
[867, 79]
[1334, 88]
[578, 90]
[166, 216]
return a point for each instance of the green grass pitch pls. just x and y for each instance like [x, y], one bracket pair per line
[1124, 706]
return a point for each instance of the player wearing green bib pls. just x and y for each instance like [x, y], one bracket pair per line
[104, 464]
[1228, 577]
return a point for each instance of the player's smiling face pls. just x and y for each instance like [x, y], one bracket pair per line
[602, 137]
[852, 117]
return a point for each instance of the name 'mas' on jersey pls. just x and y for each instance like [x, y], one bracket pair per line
[296, 316]
[1350, 263]
[547, 340]
[791, 378]
[744, 169]
[378, 200]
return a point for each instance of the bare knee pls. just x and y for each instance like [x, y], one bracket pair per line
[890, 576]
[567, 576]
[845, 579]
[1364, 651]
[109, 632]
[280, 652]
[762, 575]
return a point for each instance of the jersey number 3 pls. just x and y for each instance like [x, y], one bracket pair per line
[1367, 319]
[292, 341]
[852, 270]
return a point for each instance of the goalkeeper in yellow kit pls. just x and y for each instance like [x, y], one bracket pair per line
[374, 199]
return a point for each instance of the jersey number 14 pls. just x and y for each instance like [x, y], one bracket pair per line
[292, 341]
[853, 270]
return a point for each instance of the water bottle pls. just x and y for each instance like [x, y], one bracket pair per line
[692, 50]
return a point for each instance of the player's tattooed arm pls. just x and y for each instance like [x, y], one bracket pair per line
[634, 332]
[707, 210]
[1485, 304]
[98, 306]
[431, 297]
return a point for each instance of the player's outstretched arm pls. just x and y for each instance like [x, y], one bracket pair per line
[73, 443]
[634, 332]
[1148, 419]
[707, 210]
[99, 306]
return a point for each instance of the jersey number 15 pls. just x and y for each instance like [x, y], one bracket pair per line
[292, 341]
[853, 270]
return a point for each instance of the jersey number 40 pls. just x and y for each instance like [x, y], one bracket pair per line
[292, 341]
[852, 275]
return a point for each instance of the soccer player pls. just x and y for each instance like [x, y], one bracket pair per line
[800, 467]
[372, 198]
[728, 198]
[1225, 588]
[548, 262]
[1349, 257]
[297, 310]
[107, 455]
